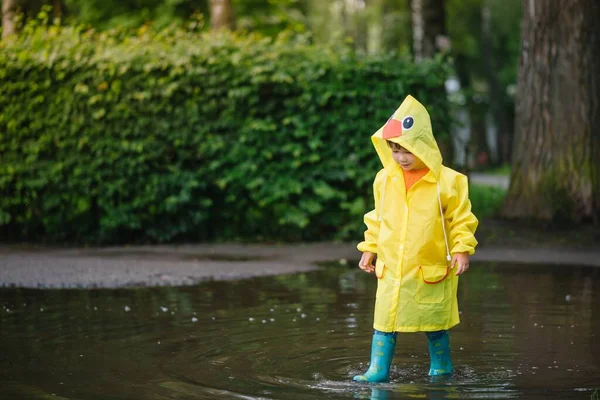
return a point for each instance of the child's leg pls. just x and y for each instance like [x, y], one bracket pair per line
[439, 353]
[382, 352]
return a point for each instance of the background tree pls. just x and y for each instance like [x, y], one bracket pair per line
[485, 39]
[8, 17]
[375, 26]
[221, 14]
[428, 19]
[556, 167]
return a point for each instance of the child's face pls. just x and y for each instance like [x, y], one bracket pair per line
[406, 159]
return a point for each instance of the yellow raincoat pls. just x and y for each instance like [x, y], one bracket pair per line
[416, 290]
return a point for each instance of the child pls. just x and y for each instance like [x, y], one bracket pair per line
[422, 226]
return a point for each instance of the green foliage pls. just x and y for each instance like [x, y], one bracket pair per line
[271, 17]
[106, 14]
[486, 201]
[464, 21]
[175, 135]
[267, 17]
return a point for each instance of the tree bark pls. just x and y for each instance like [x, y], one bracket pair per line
[8, 17]
[222, 15]
[428, 26]
[556, 164]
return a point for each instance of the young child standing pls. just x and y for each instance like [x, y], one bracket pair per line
[422, 230]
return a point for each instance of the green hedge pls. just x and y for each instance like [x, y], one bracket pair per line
[176, 135]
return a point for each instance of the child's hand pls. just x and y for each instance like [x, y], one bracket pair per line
[462, 262]
[366, 262]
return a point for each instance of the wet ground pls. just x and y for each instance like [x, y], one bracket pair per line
[527, 332]
[188, 265]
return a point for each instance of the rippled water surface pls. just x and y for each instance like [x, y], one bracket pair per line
[526, 332]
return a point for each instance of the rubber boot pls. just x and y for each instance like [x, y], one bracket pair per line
[439, 353]
[382, 352]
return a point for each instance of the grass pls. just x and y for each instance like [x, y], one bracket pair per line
[486, 200]
[503, 170]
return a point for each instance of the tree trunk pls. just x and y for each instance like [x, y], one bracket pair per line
[222, 15]
[8, 17]
[359, 26]
[495, 90]
[57, 8]
[428, 27]
[374, 26]
[556, 164]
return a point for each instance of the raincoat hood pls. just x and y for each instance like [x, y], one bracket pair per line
[410, 127]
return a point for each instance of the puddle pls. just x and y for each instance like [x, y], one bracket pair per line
[525, 332]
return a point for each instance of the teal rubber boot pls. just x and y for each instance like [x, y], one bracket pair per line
[439, 353]
[382, 352]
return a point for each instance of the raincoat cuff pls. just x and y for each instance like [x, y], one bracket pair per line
[365, 246]
[462, 248]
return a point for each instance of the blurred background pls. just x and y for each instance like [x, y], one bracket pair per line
[176, 120]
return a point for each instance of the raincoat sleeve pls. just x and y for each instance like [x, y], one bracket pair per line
[462, 223]
[372, 221]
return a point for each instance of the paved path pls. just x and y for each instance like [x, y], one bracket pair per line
[499, 181]
[187, 265]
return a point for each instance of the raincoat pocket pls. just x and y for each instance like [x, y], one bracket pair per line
[379, 268]
[431, 286]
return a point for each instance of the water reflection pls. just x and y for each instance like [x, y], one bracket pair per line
[526, 332]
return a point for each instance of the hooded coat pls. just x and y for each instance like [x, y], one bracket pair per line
[414, 232]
